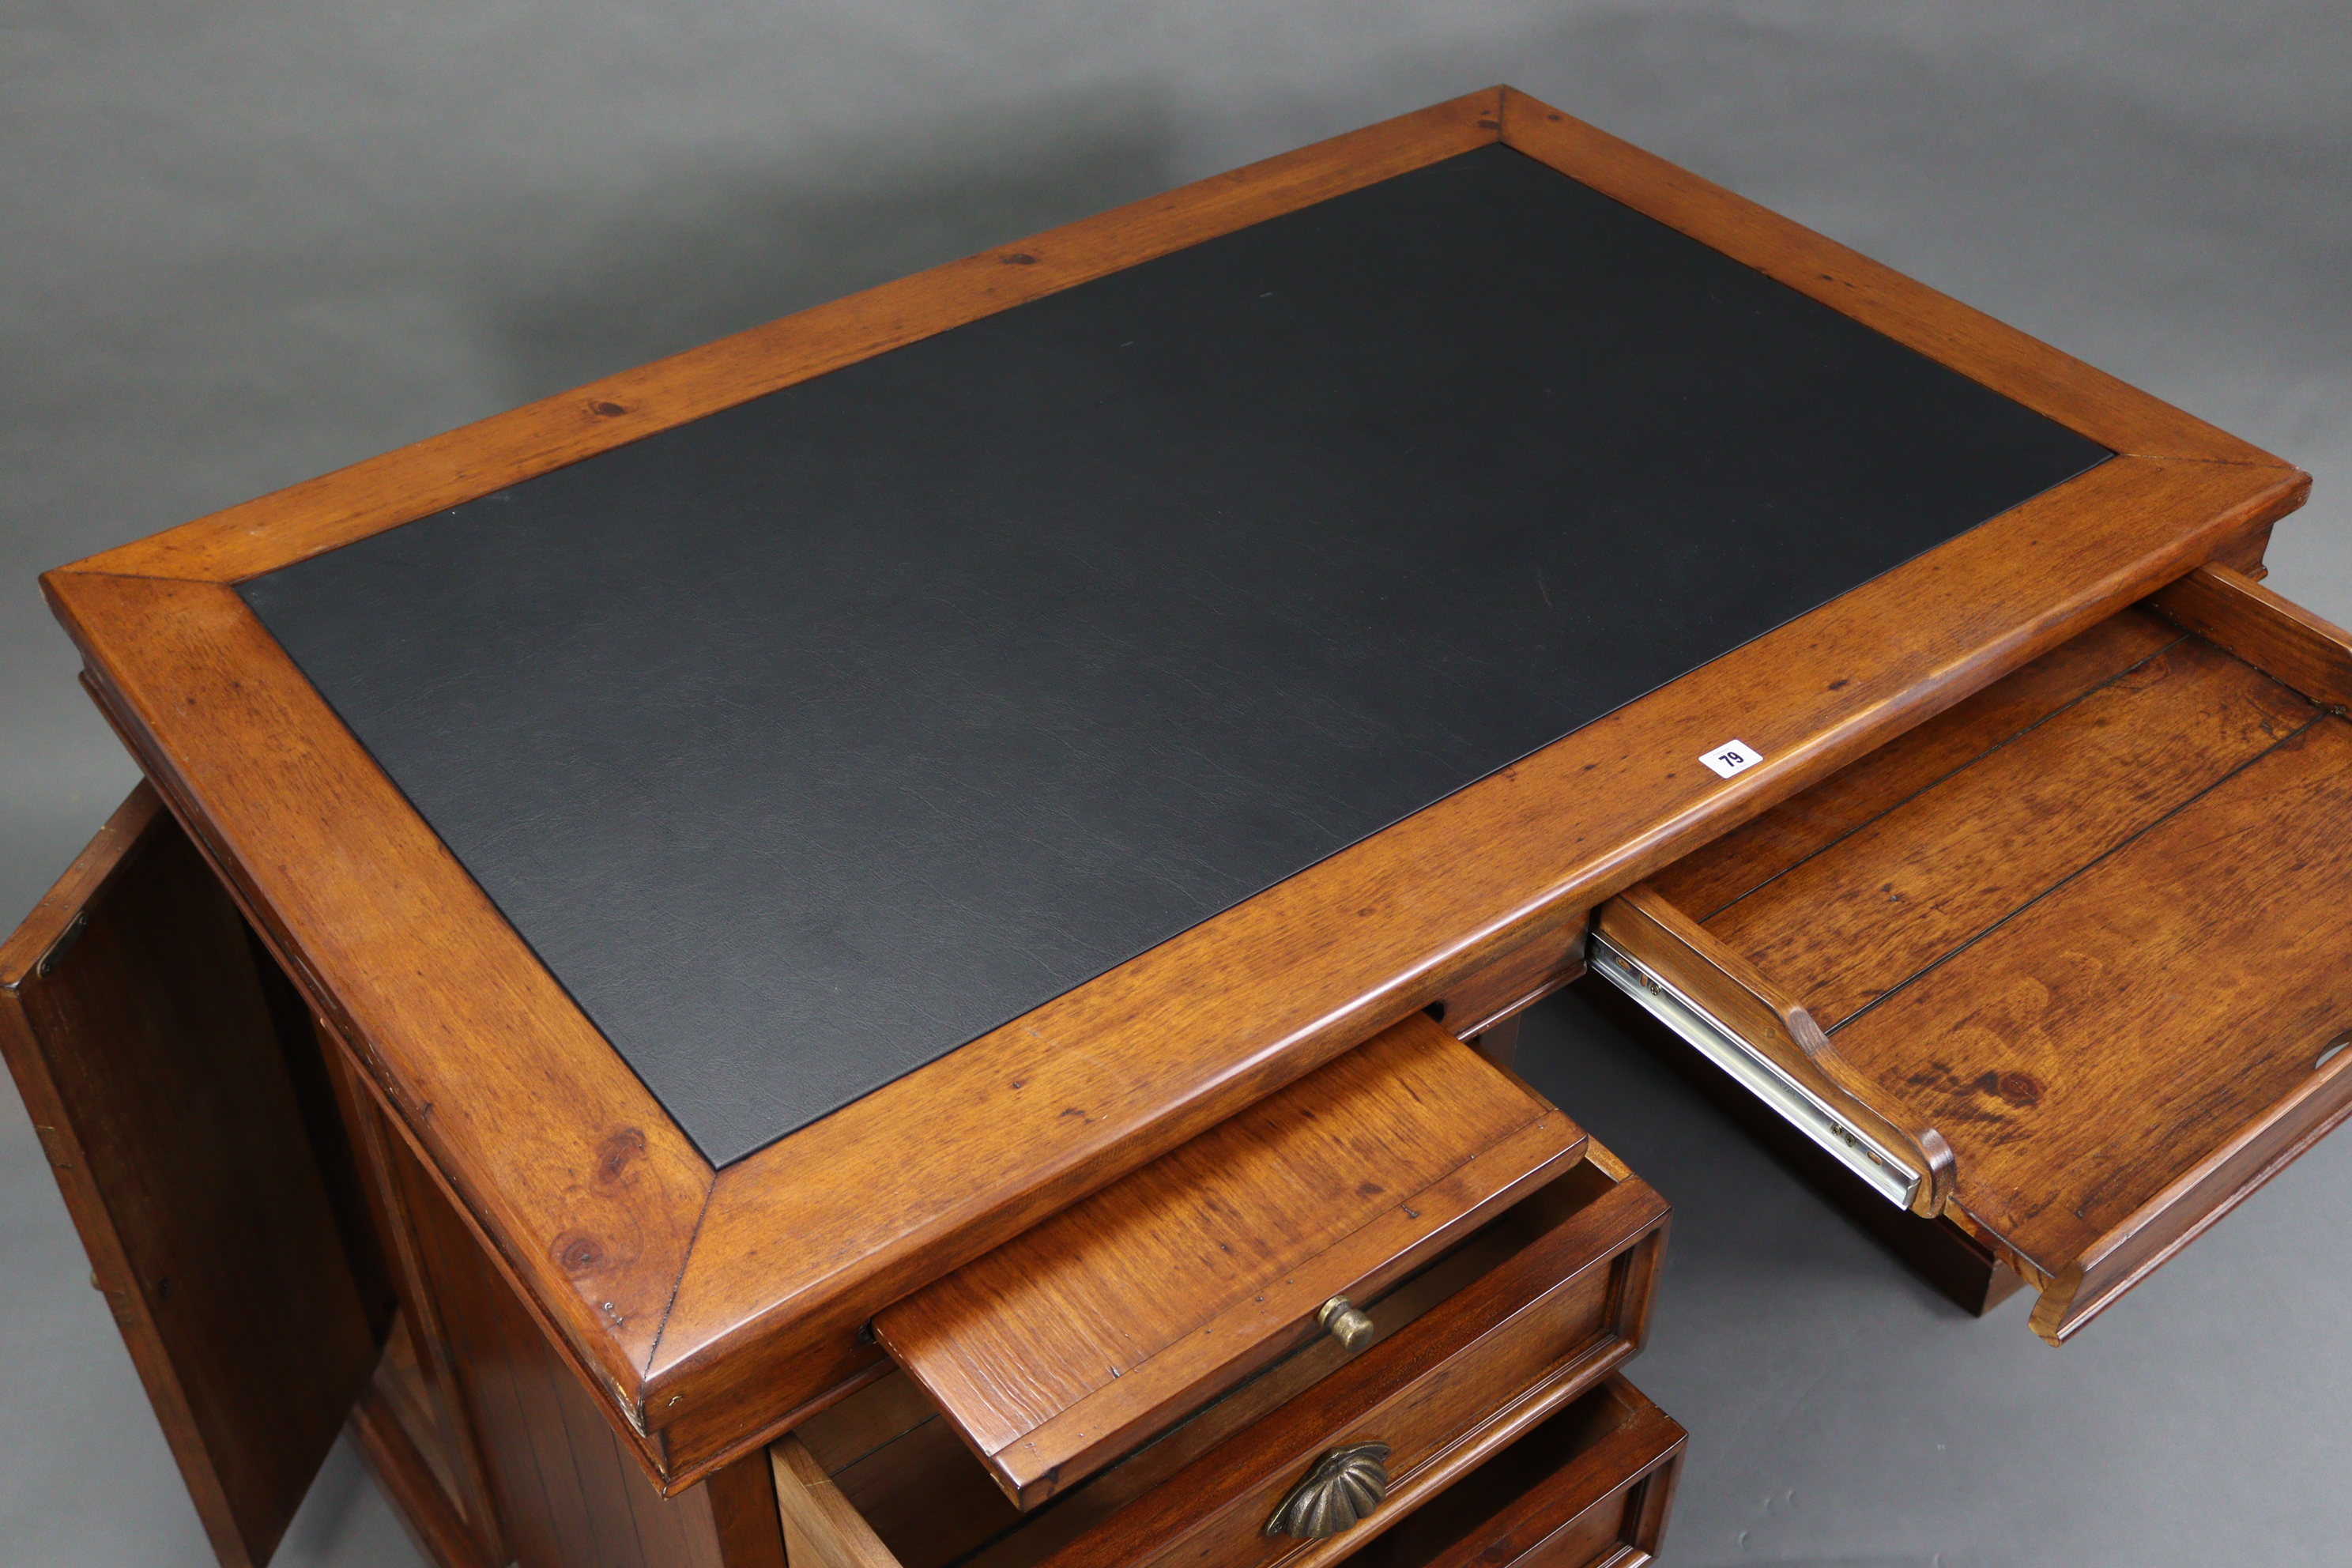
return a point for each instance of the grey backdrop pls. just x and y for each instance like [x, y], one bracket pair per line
[241, 247]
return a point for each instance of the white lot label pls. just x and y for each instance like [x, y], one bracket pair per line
[1732, 757]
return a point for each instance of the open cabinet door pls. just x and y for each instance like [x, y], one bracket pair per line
[141, 1034]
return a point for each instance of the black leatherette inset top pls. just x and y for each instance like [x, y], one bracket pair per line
[810, 739]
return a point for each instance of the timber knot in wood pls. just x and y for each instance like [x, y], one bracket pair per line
[2019, 1089]
[576, 1254]
[617, 1154]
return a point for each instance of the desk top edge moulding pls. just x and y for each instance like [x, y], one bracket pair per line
[713, 1284]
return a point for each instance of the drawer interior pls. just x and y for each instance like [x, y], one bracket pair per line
[1100, 1327]
[2085, 937]
[905, 1491]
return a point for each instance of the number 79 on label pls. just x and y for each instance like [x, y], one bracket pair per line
[1732, 757]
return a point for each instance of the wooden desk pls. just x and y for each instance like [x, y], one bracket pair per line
[889, 902]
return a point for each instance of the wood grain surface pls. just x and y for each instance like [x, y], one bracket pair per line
[2103, 956]
[928, 1496]
[1846, 926]
[1704, 883]
[413, 1485]
[1591, 1487]
[1483, 1003]
[1475, 1350]
[143, 1041]
[428, 1396]
[569, 1489]
[549, 1136]
[821, 1529]
[1088, 1334]
[2200, 1196]
[1454, 1387]
[744, 1517]
[910, 1474]
[707, 1308]
[2142, 1016]
[2271, 633]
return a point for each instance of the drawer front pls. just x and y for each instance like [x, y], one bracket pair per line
[1592, 1485]
[1082, 1339]
[1566, 1301]
[2071, 965]
[1460, 1383]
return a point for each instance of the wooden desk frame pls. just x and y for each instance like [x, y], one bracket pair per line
[711, 1306]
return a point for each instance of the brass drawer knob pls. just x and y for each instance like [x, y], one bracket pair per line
[1343, 1321]
[1342, 1489]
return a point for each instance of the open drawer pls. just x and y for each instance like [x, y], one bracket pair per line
[1470, 1351]
[1095, 1331]
[2072, 963]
